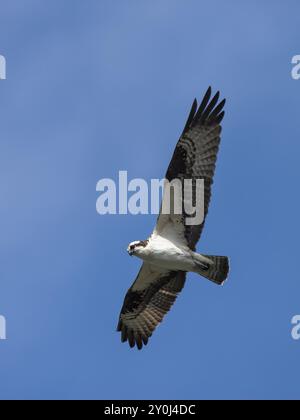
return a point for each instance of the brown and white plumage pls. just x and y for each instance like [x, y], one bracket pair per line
[196, 152]
[145, 306]
[169, 253]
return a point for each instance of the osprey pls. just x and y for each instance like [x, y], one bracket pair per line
[169, 253]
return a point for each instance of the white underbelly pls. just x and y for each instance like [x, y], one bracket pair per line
[174, 264]
[168, 255]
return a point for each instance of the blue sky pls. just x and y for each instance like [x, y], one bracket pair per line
[99, 86]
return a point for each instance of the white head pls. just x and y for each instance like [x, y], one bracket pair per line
[136, 247]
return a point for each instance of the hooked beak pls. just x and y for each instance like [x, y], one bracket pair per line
[130, 252]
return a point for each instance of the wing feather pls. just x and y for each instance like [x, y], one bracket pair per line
[194, 158]
[147, 302]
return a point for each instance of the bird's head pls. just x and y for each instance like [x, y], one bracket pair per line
[136, 248]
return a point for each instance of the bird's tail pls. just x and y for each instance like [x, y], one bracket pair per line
[213, 268]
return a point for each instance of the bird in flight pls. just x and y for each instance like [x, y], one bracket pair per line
[169, 254]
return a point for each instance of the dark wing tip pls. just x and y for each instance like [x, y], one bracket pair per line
[219, 118]
[134, 338]
[191, 115]
[209, 112]
[131, 339]
[139, 342]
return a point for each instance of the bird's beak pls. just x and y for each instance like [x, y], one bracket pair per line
[130, 252]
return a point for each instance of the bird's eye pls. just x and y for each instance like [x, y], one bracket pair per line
[132, 247]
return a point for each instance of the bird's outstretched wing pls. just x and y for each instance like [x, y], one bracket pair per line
[147, 302]
[194, 158]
